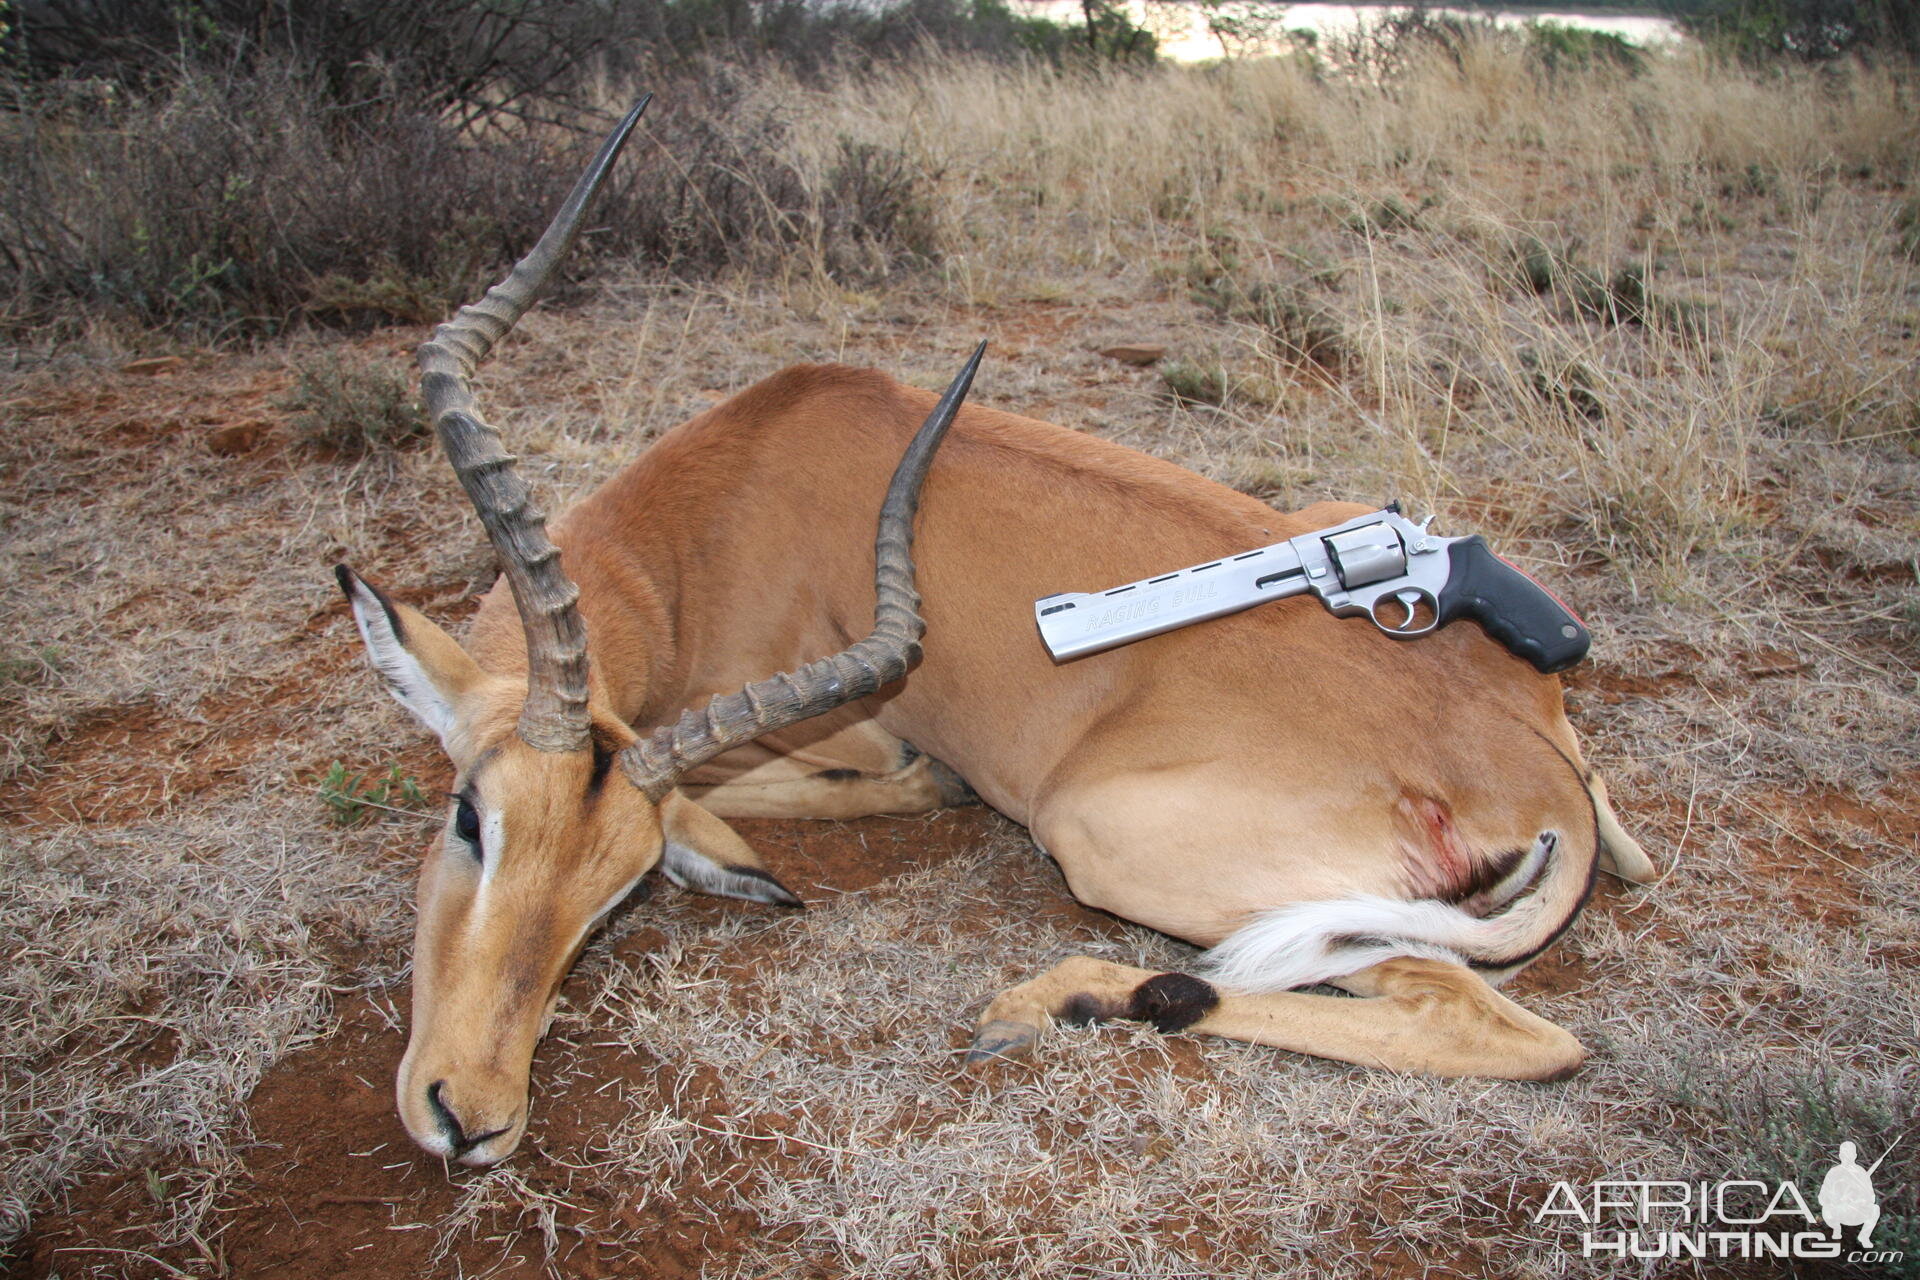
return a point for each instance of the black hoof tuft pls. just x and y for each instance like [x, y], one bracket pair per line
[1172, 1002]
[1084, 1011]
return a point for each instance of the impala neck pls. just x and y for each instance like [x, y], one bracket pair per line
[635, 667]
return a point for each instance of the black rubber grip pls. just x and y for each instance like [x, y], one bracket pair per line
[1513, 608]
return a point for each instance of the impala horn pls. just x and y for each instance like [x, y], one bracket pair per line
[655, 762]
[554, 717]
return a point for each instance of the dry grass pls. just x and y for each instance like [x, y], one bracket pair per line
[1727, 485]
[157, 970]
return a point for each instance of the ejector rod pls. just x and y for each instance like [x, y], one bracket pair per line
[1074, 624]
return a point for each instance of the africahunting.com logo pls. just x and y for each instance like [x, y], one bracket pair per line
[1736, 1218]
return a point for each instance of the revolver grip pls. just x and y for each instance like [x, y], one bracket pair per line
[1512, 607]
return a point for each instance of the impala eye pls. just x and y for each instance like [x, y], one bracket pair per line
[466, 824]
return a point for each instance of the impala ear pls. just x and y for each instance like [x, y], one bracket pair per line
[426, 670]
[705, 854]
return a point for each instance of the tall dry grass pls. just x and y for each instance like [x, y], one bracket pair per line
[1752, 214]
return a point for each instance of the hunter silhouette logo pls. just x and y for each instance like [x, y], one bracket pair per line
[1733, 1218]
[1846, 1196]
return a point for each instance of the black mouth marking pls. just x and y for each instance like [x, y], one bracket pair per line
[450, 1124]
[461, 1148]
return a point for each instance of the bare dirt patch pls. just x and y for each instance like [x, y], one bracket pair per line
[122, 766]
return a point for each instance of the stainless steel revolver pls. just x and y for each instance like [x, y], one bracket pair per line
[1406, 580]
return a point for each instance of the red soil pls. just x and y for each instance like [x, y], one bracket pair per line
[335, 1187]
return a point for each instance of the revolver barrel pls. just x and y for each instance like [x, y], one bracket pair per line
[1075, 624]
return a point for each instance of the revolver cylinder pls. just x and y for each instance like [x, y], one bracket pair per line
[1371, 553]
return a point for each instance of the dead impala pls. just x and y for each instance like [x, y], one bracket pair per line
[1311, 800]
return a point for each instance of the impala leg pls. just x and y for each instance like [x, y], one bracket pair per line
[921, 785]
[839, 767]
[1416, 1015]
[1620, 853]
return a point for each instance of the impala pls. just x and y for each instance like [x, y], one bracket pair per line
[1312, 801]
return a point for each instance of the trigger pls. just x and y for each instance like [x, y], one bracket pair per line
[1411, 600]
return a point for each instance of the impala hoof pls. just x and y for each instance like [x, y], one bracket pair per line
[1002, 1041]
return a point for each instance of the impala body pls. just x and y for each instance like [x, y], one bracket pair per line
[1312, 800]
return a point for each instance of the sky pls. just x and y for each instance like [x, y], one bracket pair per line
[1192, 43]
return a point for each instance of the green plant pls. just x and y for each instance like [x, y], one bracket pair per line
[351, 797]
[1631, 300]
[1302, 328]
[1754, 180]
[1388, 214]
[1383, 48]
[1111, 34]
[1536, 264]
[1787, 1126]
[1193, 382]
[1811, 30]
[1625, 297]
[352, 407]
[1547, 270]
[1567, 385]
[31, 667]
[1243, 27]
[1556, 47]
[1906, 226]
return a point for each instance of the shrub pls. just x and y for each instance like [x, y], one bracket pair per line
[353, 408]
[236, 167]
[1623, 298]
[1787, 1126]
[718, 187]
[1906, 226]
[1389, 45]
[236, 204]
[1556, 47]
[1569, 385]
[1301, 328]
[1193, 382]
[1111, 34]
[1387, 215]
[488, 61]
[246, 203]
[1809, 30]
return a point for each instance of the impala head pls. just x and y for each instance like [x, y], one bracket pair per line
[559, 808]
[536, 848]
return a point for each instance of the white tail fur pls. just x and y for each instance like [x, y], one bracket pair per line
[1308, 942]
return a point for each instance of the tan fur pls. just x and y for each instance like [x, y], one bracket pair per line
[1187, 782]
[1620, 853]
[1418, 1015]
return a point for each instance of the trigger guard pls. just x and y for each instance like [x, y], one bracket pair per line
[1410, 599]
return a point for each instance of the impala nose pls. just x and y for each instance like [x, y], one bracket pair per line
[462, 1146]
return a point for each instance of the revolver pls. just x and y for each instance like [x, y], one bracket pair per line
[1403, 578]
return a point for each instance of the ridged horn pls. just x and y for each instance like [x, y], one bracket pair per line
[655, 762]
[554, 717]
